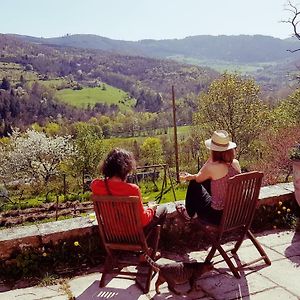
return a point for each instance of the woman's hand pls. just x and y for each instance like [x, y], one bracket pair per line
[190, 177]
[153, 205]
[185, 176]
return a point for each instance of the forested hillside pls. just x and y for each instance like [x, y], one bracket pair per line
[241, 48]
[130, 73]
[265, 58]
[147, 80]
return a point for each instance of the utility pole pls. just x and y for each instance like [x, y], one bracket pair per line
[175, 134]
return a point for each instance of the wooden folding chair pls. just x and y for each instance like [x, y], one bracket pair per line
[122, 234]
[240, 204]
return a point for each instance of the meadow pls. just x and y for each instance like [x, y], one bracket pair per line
[92, 95]
[224, 66]
[14, 71]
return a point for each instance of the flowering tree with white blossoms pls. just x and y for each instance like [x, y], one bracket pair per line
[34, 156]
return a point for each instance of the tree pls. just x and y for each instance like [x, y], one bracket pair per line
[294, 21]
[34, 156]
[52, 128]
[232, 103]
[90, 147]
[275, 162]
[28, 67]
[22, 80]
[287, 113]
[152, 151]
[5, 85]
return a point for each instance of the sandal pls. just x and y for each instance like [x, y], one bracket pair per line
[182, 212]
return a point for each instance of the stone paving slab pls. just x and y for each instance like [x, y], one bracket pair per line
[225, 286]
[35, 293]
[278, 281]
[272, 238]
[285, 273]
[288, 251]
[277, 293]
[245, 255]
[87, 288]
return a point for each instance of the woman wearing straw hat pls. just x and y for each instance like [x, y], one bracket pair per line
[206, 191]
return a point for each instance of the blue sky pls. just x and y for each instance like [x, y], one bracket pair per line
[141, 19]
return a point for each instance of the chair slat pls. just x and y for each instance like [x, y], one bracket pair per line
[241, 199]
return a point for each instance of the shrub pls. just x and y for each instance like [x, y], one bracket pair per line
[281, 215]
[69, 255]
[295, 152]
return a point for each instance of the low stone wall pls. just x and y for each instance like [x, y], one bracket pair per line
[14, 239]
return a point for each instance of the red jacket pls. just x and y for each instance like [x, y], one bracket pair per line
[121, 188]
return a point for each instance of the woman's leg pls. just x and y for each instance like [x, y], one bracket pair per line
[158, 219]
[197, 198]
[206, 185]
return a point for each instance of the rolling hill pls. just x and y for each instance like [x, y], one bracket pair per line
[145, 79]
[239, 49]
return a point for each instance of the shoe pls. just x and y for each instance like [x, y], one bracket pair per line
[142, 258]
[183, 213]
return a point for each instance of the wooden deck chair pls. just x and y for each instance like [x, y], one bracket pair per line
[240, 204]
[122, 234]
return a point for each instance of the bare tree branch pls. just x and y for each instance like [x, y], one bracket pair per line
[294, 21]
[293, 51]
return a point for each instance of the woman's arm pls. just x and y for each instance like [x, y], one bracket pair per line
[236, 165]
[146, 213]
[202, 175]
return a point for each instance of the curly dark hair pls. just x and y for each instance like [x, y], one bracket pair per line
[119, 162]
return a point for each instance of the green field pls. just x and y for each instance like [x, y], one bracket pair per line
[182, 132]
[223, 66]
[14, 71]
[54, 83]
[91, 96]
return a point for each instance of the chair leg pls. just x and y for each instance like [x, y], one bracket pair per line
[156, 240]
[148, 280]
[144, 285]
[238, 243]
[229, 262]
[259, 247]
[107, 267]
[153, 254]
[153, 240]
[211, 253]
[150, 272]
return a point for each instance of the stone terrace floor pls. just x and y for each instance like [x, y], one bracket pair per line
[281, 280]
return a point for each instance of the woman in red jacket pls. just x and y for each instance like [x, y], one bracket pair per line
[115, 168]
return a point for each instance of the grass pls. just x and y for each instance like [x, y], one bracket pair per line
[49, 279]
[168, 197]
[14, 71]
[53, 83]
[151, 193]
[30, 202]
[91, 96]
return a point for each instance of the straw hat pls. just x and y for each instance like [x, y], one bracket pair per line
[220, 141]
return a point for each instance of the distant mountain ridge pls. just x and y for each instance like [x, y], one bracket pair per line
[238, 49]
